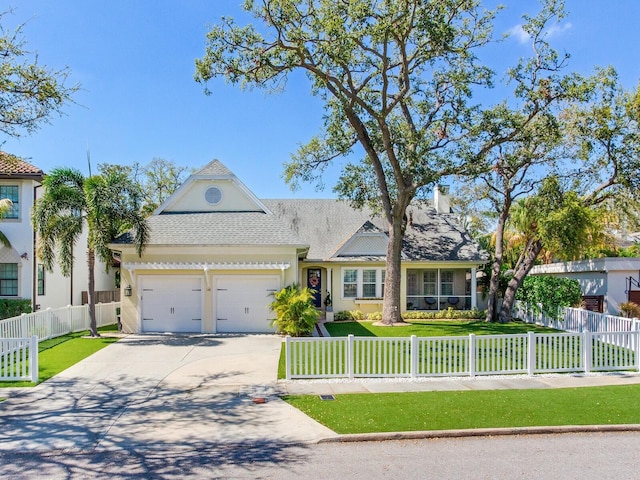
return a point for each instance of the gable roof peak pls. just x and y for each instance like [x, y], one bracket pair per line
[368, 227]
[214, 168]
[14, 167]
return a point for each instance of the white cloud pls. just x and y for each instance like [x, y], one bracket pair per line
[556, 29]
[522, 37]
[518, 33]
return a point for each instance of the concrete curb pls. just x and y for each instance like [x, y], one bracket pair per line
[479, 432]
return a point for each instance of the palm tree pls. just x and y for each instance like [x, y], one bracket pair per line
[5, 206]
[107, 205]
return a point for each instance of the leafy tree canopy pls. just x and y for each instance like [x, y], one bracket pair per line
[29, 92]
[549, 294]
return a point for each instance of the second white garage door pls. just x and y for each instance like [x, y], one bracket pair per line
[242, 303]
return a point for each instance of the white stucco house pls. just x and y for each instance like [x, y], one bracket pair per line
[605, 282]
[22, 274]
[217, 252]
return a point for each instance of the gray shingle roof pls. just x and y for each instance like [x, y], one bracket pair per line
[216, 228]
[215, 167]
[327, 224]
[322, 225]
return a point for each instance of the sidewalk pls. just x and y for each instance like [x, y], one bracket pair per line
[503, 382]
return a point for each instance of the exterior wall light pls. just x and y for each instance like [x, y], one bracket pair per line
[127, 291]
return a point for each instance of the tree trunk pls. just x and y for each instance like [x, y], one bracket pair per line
[391, 304]
[521, 271]
[496, 268]
[91, 293]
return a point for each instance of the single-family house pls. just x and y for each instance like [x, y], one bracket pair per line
[19, 181]
[217, 252]
[22, 274]
[605, 282]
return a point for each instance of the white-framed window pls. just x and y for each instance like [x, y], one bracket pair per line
[12, 192]
[369, 283]
[363, 282]
[40, 279]
[9, 279]
[350, 283]
[430, 282]
[446, 282]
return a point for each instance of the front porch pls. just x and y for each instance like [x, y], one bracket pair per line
[441, 288]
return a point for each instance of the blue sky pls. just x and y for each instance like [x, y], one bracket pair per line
[134, 60]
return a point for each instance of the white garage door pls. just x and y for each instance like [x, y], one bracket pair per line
[171, 303]
[242, 303]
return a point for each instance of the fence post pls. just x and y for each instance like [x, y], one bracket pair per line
[351, 355]
[23, 325]
[287, 357]
[587, 350]
[33, 359]
[414, 356]
[531, 357]
[637, 349]
[472, 355]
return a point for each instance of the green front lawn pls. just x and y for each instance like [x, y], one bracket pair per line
[432, 328]
[398, 412]
[60, 353]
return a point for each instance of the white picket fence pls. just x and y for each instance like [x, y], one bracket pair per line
[19, 356]
[577, 320]
[531, 353]
[19, 359]
[54, 322]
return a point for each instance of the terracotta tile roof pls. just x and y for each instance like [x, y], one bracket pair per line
[12, 167]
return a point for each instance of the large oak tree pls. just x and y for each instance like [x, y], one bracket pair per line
[396, 77]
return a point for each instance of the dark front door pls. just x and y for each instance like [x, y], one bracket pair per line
[314, 282]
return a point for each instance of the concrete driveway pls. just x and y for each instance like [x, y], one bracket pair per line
[153, 392]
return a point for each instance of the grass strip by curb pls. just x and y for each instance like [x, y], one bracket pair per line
[417, 411]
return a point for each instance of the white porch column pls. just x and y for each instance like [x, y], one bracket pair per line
[474, 288]
[329, 314]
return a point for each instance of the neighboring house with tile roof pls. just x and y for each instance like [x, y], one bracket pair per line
[22, 275]
[216, 253]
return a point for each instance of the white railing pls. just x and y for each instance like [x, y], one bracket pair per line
[577, 320]
[530, 353]
[54, 322]
[19, 359]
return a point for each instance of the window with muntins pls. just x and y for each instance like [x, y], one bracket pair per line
[12, 192]
[350, 283]
[446, 282]
[9, 279]
[430, 282]
[363, 282]
[369, 283]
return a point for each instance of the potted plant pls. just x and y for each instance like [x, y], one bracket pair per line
[328, 307]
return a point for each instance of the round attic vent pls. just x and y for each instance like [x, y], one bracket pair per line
[213, 195]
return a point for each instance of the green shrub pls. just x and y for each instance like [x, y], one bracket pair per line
[375, 316]
[349, 316]
[448, 313]
[14, 307]
[295, 313]
[548, 294]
